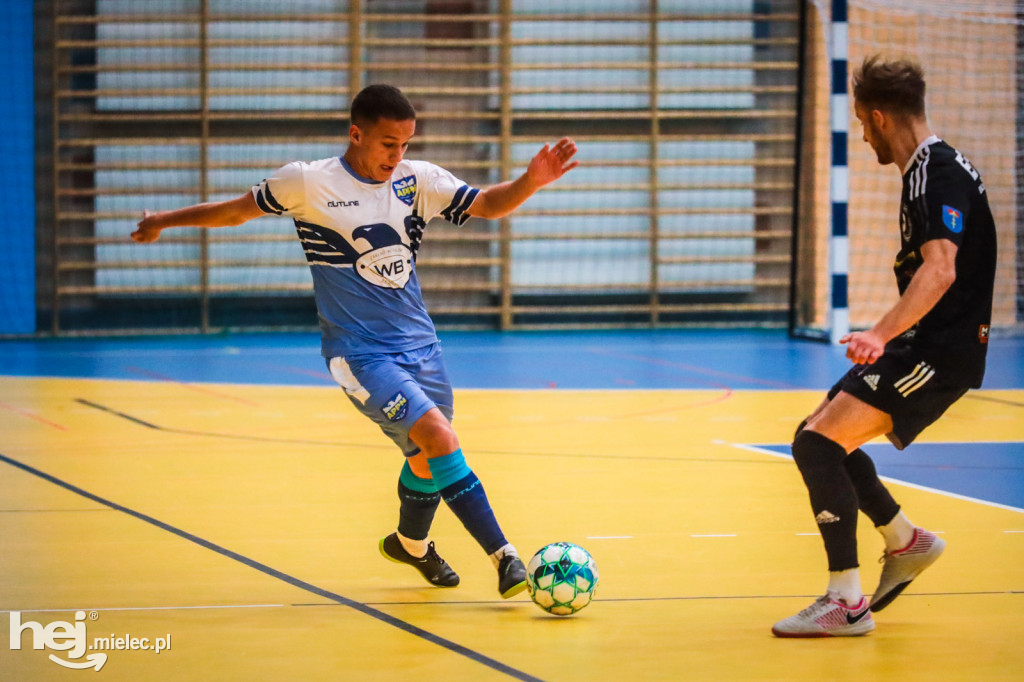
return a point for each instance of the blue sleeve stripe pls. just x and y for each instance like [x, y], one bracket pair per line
[456, 200]
[460, 215]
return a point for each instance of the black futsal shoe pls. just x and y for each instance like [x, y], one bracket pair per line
[511, 576]
[431, 566]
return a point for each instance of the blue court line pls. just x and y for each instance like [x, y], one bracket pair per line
[274, 573]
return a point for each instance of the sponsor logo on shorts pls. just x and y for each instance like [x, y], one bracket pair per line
[396, 407]
[983, 332]
[872, 381]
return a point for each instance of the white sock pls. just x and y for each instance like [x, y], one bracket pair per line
[898, 533]
[417, 548]
[846, 586]
[507, 549]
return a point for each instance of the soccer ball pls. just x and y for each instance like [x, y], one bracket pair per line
[561, 578]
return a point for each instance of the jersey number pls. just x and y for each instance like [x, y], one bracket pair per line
[966, 165]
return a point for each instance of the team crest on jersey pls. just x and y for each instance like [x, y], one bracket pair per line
[952, 219]
[405, 189]
[396, 407]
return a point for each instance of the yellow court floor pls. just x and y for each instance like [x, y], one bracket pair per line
[239, 525]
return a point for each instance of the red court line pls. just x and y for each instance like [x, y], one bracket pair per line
[300, 371]
[191, 387]
[694, 369]
[726, 394]
[32, 415]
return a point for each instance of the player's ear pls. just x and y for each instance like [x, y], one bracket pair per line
[879, 118]
[354, 133]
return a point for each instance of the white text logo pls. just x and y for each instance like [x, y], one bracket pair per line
[71, 637]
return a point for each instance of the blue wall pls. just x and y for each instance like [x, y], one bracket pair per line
[17, 173]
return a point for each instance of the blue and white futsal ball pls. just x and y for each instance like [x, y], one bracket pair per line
[561, 578]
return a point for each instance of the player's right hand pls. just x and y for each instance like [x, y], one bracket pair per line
[146, 232]
[863, 348]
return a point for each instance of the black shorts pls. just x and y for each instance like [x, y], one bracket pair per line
[903, 386]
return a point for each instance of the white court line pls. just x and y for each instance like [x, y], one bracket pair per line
[147, 608]
[1013, 531]
[997, 505]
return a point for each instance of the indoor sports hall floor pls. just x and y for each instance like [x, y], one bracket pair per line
[222, 495]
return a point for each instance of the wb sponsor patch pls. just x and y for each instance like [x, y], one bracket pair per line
[396, 407]
[952, 219]
[405, 189]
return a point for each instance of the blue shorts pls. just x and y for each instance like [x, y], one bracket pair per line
[396, 389]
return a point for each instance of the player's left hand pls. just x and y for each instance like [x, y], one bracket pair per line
[863, 348]
[551, 163]
[146, 233]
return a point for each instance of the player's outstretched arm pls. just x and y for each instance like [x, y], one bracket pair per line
[930, 283]
[548, 165]
[214, 214]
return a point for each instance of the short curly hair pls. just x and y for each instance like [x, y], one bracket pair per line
[894, 86]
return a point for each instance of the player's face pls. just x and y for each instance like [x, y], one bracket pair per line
[873, 135]
[376, 149]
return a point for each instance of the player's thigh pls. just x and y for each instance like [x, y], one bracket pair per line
[849, 421]
[900, 384]
[383, 390]
[427, 367]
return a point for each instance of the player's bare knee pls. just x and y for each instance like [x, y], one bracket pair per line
[434, 434]
[419, 465]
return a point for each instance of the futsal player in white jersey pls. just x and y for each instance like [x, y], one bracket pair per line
[360, 218]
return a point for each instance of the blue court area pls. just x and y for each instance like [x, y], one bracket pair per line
[671, 359]
[992, 472]
[606, 360]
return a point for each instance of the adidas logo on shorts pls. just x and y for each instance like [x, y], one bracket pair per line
[872, 381]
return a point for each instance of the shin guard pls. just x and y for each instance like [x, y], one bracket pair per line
[833, 498]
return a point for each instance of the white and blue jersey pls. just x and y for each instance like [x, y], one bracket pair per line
[360, 238]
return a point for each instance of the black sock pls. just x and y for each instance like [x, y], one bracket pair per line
[833, 497]
[872, 496]
[416, 512]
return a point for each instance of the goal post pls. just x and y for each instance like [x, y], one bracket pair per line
[970, 51]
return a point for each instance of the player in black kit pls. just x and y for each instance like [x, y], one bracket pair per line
[915, 362]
